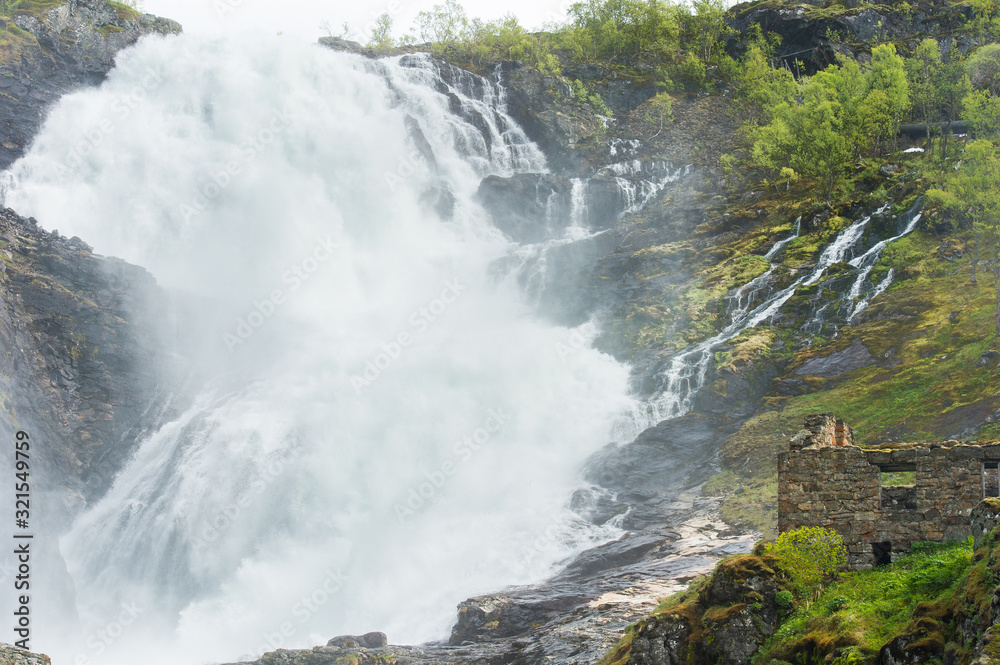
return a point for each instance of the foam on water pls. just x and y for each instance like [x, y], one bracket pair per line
[396, 431]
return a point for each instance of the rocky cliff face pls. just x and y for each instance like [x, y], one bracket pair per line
[10, 655]
[85, 360]
[724, 622]
[813, 34]
[53, 49]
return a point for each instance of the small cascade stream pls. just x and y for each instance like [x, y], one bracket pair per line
[568, 217]
[578, 220]
[739, 302]
[843, 310]
[639, 182]
[683, 375]
[866, 262]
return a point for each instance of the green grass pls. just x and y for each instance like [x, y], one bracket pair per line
[937, 594]
[898, 478]
[864, 610]
[935, 326]
[126, 11]
[36, 8]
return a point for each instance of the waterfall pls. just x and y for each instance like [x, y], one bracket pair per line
[867, 261]
[684, 373]
[739, 302]
[386, 429]
[577, 228]
[638, 183]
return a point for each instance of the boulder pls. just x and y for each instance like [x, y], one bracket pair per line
[988, 358]
[987, 647]
[853, 357]
[735, 613]
[923, 642]
[11, 655]
[984, 518]
[485, 618]
[373, 640]
[889, 170]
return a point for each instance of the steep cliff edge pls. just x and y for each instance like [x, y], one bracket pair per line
[85, 338]
[50, 48]
[85, 365]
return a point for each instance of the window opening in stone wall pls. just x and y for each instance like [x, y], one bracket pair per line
[897, 478]
[898, 487]
[991, 478]
[882, 553]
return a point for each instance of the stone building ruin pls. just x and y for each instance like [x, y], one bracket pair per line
[882, 499]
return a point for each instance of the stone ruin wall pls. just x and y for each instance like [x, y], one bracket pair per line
[825, 480]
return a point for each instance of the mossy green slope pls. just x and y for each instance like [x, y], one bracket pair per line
[932, 605]
[932, 374]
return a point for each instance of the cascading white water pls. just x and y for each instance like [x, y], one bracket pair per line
[866, 262]
[577, 228]
[638, 183]
[746, 295]
[388, 431]
[685, 372]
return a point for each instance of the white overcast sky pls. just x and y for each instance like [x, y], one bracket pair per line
[301, 19]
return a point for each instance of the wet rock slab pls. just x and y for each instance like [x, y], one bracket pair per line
[573, 618]
[853, 357]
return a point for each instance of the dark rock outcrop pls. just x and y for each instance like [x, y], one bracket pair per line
[527, 207]
[736, 392]
[853, 357]
[922, 643]
[11, 655]
[729, 620]
[86, 353]
[561, 130]
[984, 518]
[372, 640]
[813, 37]
[622, 95]
[499, 616]
[987, 647]
[533, 207]
[647, 474]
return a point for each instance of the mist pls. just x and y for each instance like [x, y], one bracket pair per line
[379, 424]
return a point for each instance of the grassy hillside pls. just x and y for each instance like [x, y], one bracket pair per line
[932, 375]
[932, 605]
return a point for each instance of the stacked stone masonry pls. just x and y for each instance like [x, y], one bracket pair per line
[826, 480]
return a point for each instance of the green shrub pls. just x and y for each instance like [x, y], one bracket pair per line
[784, 599]
[692, 72]
[808, 555]
[983, 67]
[860, 611]
[597, 103]
[836, 604]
